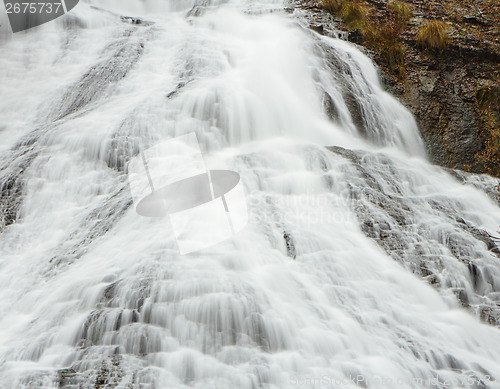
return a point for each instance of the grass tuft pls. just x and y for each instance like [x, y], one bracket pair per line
[384, 39]
[401, 11]
[433, 35]
[488, 96]
[354, 14]
[332, 6]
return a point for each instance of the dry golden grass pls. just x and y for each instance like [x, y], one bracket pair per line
[402, 11]
[354, 14]
[332, 6]
[488, 96]
[433, 35]
[384, 39]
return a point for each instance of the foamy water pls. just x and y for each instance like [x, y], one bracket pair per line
[94, 295]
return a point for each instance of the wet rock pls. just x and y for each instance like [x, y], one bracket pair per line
[122, 56]
[317, 27]
[135, 21]
[329, 107]
[68, 377]
[476, 20]
[101, 219]
[355, 36]
[177, 89]
[12, 178]
[290, 247]
[386, 215]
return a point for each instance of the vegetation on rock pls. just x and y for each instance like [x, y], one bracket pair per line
[354, 14]
[402, 11]
[442, 60]
[487, 100]
[332, 6]
[382, 36]
[433, 35]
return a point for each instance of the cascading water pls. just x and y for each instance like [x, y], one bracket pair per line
[322, 289]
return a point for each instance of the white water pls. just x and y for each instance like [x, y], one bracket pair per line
[89, 285]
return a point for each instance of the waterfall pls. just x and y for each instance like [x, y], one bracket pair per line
[361, 265]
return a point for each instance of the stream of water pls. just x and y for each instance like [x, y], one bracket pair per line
[362, 265]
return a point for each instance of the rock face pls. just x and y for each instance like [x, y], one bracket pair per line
[449, 125]
[453, 92]
[445, 92]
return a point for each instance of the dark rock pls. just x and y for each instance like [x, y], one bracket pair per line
[329, 107]
[67, 377]
[136, 21]
[290, 246]
[318, 28]
[355, 36]
[476, 20]
[177, 89]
